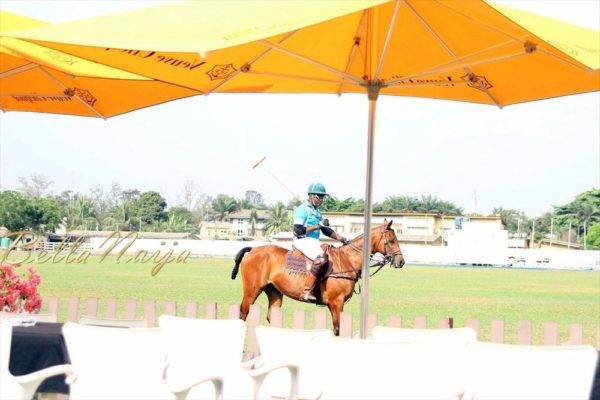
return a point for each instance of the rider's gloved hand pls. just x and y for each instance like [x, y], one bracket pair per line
[344, 240]
[325, 222]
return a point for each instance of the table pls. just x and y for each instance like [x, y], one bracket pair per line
[38, 347]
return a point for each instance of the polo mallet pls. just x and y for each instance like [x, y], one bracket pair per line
[282, 183]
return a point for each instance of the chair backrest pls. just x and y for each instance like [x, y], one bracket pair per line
[361, 369]
[508, 371]
[8, 387]
[5, 344]
[114, 363]
[282, 346]
[115, 323]
[26, 316]
[202, 347]
[459, 336]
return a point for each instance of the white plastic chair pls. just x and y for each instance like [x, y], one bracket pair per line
[27, 316]
[368, 369]
[115, 323]
[111, 363]
[198, 348]
[508, 371]
[280, 346]
[459, 336]
[21, 387]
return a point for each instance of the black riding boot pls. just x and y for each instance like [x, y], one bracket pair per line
[316, 271]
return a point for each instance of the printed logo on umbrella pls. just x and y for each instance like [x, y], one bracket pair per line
[477, 82]
[83, 94]
[220, 71]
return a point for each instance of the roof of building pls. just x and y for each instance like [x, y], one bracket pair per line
[245, 214]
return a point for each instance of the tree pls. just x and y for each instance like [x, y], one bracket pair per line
[448, 208]
[516, 221]
[203, 208]
[223, 205]
[583, 211]
[36, 186]
[293, 203]
[397, 204]
[119, 218]
[349, 204]
[148, 208]
[80, 213]
[252, 199]
[253, 220]
[16, 211]
[47, 214]
[189, 195]
[593, 237]
[279, 220]
[180, 219]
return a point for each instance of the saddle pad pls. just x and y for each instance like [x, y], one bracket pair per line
[294, 264]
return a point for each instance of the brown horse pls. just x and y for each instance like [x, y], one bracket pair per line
[263, 270]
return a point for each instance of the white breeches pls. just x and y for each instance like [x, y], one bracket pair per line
[310, 247]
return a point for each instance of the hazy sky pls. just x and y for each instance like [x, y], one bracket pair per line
[527, 157]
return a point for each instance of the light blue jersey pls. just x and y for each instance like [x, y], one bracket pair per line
[307, 215]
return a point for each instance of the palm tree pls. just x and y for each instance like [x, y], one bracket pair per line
[429, 204]
[253, 221]
[280, 219]
[223, 205]
[404, 203]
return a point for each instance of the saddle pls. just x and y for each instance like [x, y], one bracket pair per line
[296, 263]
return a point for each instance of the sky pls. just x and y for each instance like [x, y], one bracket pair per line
[529, 157]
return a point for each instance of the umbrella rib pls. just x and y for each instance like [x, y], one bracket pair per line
[447, 48]
[450, 69]
[388, 37]
[355, 47]
[59, 83]
[297, 77]
[245, 67]
[465, 57]
[310, 61]
[18, 70]
[515, 38]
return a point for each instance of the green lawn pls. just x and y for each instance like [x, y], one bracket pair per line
[486, 294]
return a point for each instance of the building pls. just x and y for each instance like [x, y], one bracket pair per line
[414, 228]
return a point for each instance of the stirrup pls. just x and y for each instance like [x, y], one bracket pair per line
[308, 296]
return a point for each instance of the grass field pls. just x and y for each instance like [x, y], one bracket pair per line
[485, 294]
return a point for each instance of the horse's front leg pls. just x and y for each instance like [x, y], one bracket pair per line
[335, 308]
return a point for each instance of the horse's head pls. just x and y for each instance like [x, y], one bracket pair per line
[385, 242]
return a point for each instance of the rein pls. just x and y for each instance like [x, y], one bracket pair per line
[387, 259]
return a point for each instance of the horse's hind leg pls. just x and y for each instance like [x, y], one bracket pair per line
[275, 299]
[247, 301]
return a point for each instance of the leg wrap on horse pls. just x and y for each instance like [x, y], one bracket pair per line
[319, 266]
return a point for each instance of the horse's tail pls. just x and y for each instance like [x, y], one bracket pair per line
[238, 260]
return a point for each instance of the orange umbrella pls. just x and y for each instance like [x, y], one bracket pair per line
[463, 50]
[38, 79]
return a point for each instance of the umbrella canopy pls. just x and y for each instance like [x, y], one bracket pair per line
[463, 50]
[38, 79]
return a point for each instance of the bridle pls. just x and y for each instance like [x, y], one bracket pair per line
[387, 258]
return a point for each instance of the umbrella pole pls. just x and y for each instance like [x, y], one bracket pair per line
[364, 299]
